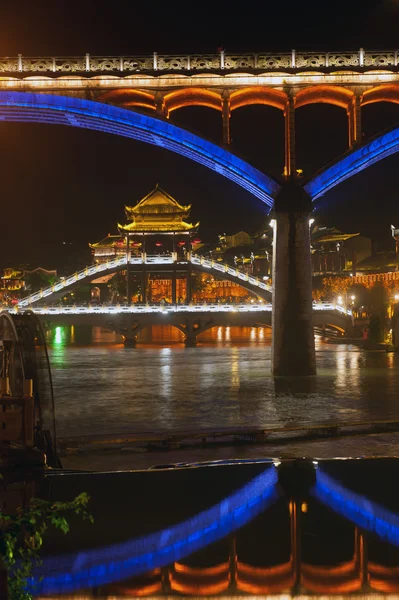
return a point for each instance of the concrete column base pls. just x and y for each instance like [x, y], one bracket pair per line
[130, 342]
[293, 346]
[190, 341]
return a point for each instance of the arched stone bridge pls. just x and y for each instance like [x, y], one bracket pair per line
[198, 263]
[191, 320]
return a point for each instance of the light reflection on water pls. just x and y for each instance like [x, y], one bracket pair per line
[103, 388]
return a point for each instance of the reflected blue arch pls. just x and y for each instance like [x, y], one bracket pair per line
[100, 566]
[356, 161]
[75, 112]
[357, 508]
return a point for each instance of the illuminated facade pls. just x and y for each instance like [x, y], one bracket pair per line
[15, 280]
[12, 279]
[335, 252]
[156, 227]
[157, 230]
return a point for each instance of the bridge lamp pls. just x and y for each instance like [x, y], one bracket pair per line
[396, 297]
[266, 277]
[273, 224]
[311, 221]
[353, 297]
[340, 300]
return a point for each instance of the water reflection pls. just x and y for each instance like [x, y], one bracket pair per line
[218, 384]
[138, 556]
[235, 371]
[287, 527]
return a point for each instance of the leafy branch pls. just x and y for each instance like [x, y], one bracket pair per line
[21, 538]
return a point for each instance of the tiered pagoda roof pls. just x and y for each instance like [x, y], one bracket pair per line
[108, 242]
[330, 234]
[157, 212]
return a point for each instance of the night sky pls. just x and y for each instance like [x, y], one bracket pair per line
[65, 185]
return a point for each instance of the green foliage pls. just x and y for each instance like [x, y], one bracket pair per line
[37, 280]
[21, 537]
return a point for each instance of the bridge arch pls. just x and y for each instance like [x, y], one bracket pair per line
[381, 93]
[75, 112]
[192, 97]
[130, 98]
[337, 320]
[258, 95]
[76, 280]
[191, 322]
[336, 95]
[353, 162]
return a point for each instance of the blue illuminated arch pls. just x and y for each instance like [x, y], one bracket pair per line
[354, 162]
[75, 112]
[357, 508]
[100, 566]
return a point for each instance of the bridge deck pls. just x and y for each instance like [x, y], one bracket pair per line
[115, 309]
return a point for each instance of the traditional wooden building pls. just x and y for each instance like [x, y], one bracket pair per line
[156, 226]
[335, 252]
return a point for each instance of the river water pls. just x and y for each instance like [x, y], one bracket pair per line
[101, 387]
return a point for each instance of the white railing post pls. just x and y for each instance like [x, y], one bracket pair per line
[87, 62]
[327, 59]
[293, 59]
[155, 61]
[222, 59]
[54, 65]
[361, 57]
[395, 59]
[188, 63]
[19, 62]
[121, 63]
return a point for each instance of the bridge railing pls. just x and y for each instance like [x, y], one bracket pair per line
[262, 61]
[149, 308]
[332, 306]
[151, 259]
[116, 309]
[221, 268]
[234, 271]
[67, 281]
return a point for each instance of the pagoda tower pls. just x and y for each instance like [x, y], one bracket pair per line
[157, 222]
[156, 227]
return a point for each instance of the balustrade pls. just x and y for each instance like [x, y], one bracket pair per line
[172, 308]
[366, 59]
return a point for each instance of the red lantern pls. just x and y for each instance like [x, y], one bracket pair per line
[181, 243]
[158, 244]
[196, 241]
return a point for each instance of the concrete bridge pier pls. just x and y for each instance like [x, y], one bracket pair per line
[293, 346]
[190, 341]
[192, 327]
[128, 327]
[129, 341]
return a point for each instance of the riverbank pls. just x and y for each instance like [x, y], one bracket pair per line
[130, 458]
